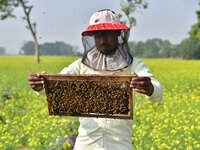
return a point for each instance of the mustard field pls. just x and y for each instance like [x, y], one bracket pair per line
[173, 124]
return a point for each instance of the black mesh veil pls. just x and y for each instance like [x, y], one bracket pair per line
[120, 59]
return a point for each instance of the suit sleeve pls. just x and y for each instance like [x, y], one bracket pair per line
[73, 68]
[141, 69]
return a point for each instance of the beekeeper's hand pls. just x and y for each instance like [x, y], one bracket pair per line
[36, 81]
[142, 84]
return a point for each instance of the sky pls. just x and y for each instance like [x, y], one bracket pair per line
[65, 20]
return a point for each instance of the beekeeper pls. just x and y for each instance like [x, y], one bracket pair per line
[106, 52]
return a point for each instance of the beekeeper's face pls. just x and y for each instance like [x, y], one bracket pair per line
[106, 41]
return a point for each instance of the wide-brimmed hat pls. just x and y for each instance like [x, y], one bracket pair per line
[104, 20]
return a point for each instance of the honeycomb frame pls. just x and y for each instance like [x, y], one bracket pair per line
[89, 96]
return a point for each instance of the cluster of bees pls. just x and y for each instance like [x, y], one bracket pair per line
[88, 97]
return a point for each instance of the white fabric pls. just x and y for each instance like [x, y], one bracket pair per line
[119, 59]
[104, 16]
[109, 134]
[95, 59]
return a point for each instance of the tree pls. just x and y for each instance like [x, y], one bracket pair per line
[190, 48]
[27, 48]
[191, 45]
[195, 30]
[128, 7]
[48, 48]
[137, 48]
[2, 51]
[7, 7]
[57, 48]
[152, 48]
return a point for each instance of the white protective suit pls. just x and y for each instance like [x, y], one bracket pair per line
[103, 133]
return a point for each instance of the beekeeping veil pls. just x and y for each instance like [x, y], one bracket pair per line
[121, 58]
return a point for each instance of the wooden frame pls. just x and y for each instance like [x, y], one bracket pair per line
[89, 96]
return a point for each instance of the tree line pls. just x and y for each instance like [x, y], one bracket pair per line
[152, 48]
[156, 48]
[50, 48]
[188, 48]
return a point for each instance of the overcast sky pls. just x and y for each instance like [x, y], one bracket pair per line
[64, 20]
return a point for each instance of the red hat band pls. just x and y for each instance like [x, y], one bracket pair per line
[104, 20]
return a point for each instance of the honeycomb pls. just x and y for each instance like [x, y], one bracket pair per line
[89, 96]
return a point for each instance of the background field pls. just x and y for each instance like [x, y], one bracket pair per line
[173, 124]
